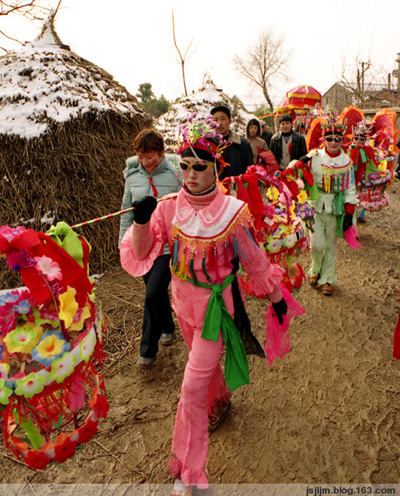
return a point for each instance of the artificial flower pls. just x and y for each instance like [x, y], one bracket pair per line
[23, 339]
[86, 432]
[8, 318]
[382, 166]
[8, 297]
[4, 369]
[62, 367]
[37, 460]
[273, 194]
[49, 268]
[86, 347]
[46, 314]
[268, 211]
[51, 347]
[4, 356]
[30, 385]
[18, 260]
[21, 446]
[5, 393]
[274, 246]
[291, 240]
[68, 306]
[302, 196]
[79, 318]
[12, 306]
[100, 404]
[292, 209]
[64, 448]
[23, 307]
[9, 233]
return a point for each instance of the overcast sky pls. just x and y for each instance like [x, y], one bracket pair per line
[133, 39]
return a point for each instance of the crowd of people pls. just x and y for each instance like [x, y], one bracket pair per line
[197, 237]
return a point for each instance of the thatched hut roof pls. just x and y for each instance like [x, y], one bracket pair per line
[66, 129]
[201, 102]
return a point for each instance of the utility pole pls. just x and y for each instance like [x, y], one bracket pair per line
[396, 72]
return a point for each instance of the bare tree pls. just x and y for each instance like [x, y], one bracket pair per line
[365, 81]
[33, 10]
[265, 62]
[182, 58]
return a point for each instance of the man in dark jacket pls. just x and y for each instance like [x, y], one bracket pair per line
[239, 154]
[287, 145]
[266, 134]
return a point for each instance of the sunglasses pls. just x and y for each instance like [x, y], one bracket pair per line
[359, 138]
[197, 166]
[336, 139]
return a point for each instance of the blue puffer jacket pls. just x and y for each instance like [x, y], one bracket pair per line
[137, 185]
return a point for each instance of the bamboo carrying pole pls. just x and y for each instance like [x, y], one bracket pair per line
[109, 216]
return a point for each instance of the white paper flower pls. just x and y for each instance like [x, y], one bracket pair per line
[62, 367]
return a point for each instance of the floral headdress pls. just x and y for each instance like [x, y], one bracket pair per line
[361, 128]
[332, 124]
[203, 135]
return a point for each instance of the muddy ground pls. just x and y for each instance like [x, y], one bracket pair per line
[329, 412]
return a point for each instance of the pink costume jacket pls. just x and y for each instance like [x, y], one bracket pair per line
[202, 242]
[204, 234]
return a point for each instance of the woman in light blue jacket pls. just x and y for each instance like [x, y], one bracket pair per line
[151, 173]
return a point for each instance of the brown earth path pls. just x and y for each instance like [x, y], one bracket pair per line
[329, 412]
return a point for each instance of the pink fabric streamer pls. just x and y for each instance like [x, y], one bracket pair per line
[350, 236]
[76, 394]
[277, 339]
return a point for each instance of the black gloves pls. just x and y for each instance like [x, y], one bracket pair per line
[305, 159]
[347, 221]
[143, 209]
[280, 309]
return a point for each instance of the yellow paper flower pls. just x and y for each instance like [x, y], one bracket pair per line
[291, 210]
[273, 194]
[50, 345]
[77, 326]
[383, 165]
[302, 197]
[24, 338]
[68, 306]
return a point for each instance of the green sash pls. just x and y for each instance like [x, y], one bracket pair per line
[218, 319]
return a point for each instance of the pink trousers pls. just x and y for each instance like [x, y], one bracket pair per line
[203, 391]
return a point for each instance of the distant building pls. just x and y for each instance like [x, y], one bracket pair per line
[338, 97]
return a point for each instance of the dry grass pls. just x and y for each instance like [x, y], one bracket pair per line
[74, 174]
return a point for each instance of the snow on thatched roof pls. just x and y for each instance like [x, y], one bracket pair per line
[45, 83]
[201, 102]
[66, 130]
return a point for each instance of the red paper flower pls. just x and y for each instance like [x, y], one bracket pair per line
[100, 404]
[65, 449]
[86, 432]
[36, 460]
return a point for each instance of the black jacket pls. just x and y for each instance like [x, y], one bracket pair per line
[238, 155]
[267, 137]
[298, 149]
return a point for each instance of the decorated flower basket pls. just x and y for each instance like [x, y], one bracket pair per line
[51, 346]
[371, 190]
[280, 220]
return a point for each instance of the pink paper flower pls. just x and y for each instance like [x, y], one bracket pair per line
[49, 268]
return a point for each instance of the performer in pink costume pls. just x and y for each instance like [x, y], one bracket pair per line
[208, 234]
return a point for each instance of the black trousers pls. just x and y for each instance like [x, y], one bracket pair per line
[157, 317]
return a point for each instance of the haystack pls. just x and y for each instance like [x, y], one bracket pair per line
[201, 102]
[66, 129]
